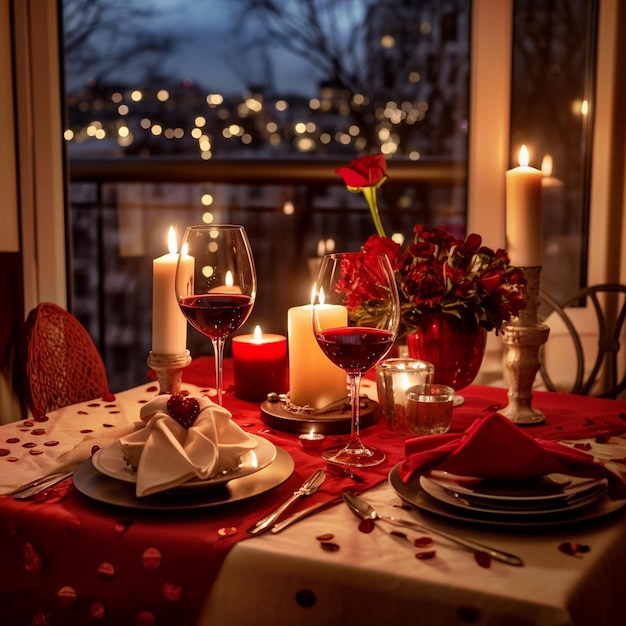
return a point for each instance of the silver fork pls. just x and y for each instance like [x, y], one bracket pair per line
[309, 487]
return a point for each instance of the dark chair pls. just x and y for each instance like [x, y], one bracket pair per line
[594, 357]
[63, 365]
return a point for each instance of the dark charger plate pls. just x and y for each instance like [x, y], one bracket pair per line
[332, 423]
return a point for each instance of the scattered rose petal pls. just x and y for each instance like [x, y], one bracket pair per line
[11, 459]
[107, 425]
[106, 570]
[573, 548]
[4, 452]
[51, 444]
[13, 440]
[482, 558]
[152, 388]
[145, 618]
[603, 436]
[366, 525]
[582, 446]
[67, 597]
[426, 555]
[123, 525]
[28, 423]
[81, 412]
[97, 610]
[40, 416]
[33, 563]
[329, 546]
[38, 431]
[35, 452]
[325, 537]
[423, 542]
[227, 531]
[172, 592]
[29, 444]
[93, 404]
[109, 397]
[84, 431]
[151, 559]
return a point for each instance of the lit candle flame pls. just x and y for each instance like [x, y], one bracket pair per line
[546, 166]
[257, 336]
[172, 244]
[229, 279]
[523, 156]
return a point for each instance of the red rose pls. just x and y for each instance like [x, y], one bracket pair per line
[366, 171]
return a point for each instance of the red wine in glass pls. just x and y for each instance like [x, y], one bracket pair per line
[355, 349]
[216, 315]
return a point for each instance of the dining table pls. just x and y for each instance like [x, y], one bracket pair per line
[87, 551]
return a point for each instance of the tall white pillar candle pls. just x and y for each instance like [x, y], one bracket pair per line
[169, 326]
[524, 238]
[313, 379]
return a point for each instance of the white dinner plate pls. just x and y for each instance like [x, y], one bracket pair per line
[110, 462]
[523, 507]
[415, 495]
[106, 490]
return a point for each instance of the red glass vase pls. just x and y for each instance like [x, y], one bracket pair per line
[454, 346]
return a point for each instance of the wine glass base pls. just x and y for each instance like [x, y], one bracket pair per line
[354, 457]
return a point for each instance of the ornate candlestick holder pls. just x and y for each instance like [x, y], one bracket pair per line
[169, 369]
[524, 337]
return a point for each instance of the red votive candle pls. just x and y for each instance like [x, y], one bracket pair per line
[259, 365]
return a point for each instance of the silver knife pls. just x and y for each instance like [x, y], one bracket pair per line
[39, 485]
[296, 517]
[309, 487]
[361, 508]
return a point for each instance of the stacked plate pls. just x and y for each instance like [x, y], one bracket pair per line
[551, 499]
[548, 495]
[106, 478]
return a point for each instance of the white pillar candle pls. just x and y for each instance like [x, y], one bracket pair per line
[524, 238]
[169, 326]
[313, 379]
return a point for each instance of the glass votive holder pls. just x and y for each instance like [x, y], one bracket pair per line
[428, 408]
[393, 378]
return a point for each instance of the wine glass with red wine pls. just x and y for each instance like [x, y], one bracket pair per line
[216, 284]
[361, 288]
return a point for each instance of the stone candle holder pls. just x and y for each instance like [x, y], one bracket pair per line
[524, 337]
[169, 370]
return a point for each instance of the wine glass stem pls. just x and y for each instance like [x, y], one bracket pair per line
[218, 349]
[355, 395]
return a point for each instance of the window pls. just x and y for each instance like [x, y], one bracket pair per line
[388, 76]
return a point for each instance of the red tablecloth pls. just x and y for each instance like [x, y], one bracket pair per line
[68, 560]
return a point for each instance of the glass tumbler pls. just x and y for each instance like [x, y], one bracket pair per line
[428, 408]
[393, 378]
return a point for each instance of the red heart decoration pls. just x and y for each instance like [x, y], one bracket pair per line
[184, 409]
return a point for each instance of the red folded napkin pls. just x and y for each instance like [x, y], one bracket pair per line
[493, 448]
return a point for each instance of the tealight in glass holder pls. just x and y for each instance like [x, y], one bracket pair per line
[393, 378]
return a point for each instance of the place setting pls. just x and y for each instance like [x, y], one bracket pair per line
[498, 475]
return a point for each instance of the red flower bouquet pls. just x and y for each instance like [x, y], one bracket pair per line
[438, 272]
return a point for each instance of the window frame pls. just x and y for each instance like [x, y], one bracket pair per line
[41, 182]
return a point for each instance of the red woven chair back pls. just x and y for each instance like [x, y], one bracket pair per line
[63, 365]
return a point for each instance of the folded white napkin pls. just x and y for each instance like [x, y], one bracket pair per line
[167, 454]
